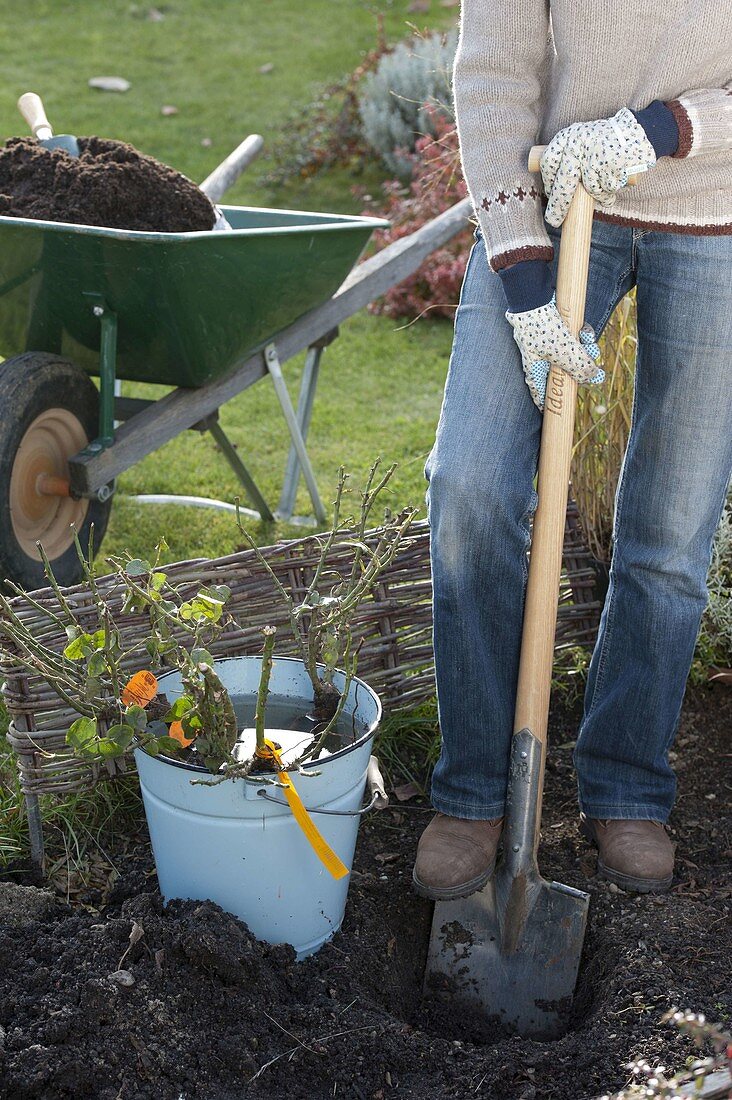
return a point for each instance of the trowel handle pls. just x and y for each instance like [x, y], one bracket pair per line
[540, 614]
[31, 108]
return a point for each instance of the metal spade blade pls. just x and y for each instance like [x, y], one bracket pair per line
[511, 951]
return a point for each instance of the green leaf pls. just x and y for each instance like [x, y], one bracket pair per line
[218, 593]
[96, 665]
[179, 709]
[98, 639]
[136, 717]
[82, 734]
[105, 746]
[137, 567]
[191, 724]
[92, 688]
[81, 647]
[121, 734]
[201, 656]
[158, 580]
[168, 744]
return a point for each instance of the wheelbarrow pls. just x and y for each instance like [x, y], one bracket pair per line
[181, 309]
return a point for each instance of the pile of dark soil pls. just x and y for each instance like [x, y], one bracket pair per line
[110, 184]
[212, 1014]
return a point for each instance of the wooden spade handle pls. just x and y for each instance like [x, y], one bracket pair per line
[536, 154]
[31, 108]
[540, 614]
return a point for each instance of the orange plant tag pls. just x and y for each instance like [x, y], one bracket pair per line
[140, 689]
[176, 730]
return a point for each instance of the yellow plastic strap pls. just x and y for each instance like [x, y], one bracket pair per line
[322, 849]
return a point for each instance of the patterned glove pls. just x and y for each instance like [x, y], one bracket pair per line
[545, 341]
[602, 155]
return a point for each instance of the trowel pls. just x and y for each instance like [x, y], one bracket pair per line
[31, 108]
[509, 954]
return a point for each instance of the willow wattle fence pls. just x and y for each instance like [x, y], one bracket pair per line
[394, 626]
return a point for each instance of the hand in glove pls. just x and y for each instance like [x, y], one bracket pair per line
[601, 155]
[545, 341]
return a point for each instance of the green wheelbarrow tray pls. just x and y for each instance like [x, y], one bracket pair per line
[186, 307]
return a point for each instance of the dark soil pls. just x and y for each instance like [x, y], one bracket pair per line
[110, 184]
[215, 1015]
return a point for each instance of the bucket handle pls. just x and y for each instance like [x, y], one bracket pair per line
[375, 783]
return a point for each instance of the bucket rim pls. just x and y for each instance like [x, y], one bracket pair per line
[363, 740]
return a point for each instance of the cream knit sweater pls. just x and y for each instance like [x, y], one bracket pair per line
[525, 69]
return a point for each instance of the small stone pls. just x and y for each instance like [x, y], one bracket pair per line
[110, 83]
[206, 142]
[154, 15]
[266, 68]
[123, 978]
[168, 109]
[614, 888]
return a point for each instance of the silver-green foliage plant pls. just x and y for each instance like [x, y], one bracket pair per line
[399, 98]
[656, 1082]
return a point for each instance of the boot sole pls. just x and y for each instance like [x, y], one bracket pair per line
[452, 893]
[630, 883]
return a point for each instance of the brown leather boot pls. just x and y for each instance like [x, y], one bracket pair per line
[455, 857]
[638, 856]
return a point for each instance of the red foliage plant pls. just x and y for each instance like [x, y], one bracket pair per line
[437, 183]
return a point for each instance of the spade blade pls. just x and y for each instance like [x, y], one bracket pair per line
[510, 953]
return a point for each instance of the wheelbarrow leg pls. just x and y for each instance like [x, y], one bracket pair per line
[272, 363]
[308, 385]
[232, 457]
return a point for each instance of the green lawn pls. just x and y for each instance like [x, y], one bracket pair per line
[381, 382]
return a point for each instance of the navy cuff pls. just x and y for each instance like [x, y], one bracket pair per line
[660, 127]
[527, 285]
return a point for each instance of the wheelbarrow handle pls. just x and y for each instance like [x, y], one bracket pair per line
[31, 108]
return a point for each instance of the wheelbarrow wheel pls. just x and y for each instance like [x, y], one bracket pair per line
[49, 410]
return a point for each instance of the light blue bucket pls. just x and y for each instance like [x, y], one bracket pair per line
[231, 845]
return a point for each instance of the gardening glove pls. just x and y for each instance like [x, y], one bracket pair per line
[601, 155]
[545, 341]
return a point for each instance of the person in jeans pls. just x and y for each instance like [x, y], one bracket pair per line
[614, 89]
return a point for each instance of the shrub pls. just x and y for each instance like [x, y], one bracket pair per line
[326, 132]
[437, 184]
[405, 95]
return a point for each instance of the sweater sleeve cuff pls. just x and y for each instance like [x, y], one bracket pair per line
[660, 123]
[527, 285]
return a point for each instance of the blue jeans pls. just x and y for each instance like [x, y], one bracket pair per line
[480, 499]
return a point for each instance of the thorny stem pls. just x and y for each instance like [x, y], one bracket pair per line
[334, 528]
[104, 615]
[263, 690]
[284, 594]
[350, 670]
[48, 569]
